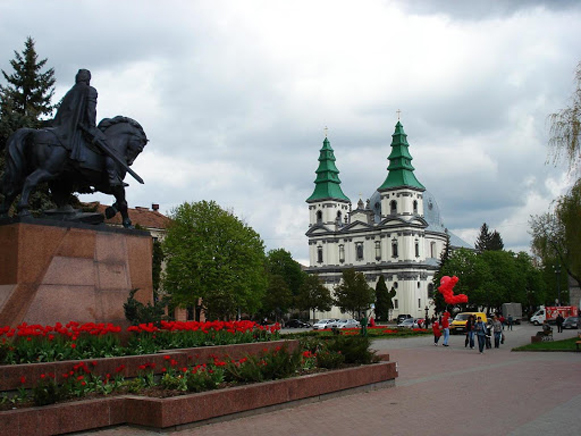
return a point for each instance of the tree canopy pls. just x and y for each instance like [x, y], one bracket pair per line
[384, 299]
[353, 294]
[24, 100]
[213, 256]
[280, 262]
[565, 128]
[313, 295]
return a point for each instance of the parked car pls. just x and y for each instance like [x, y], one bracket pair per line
[344, 324]
[323, 324]
[408, 323]
[297, 324]
[403, 316]
[571, 322]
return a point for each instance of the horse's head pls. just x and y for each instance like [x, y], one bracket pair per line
[131, 136]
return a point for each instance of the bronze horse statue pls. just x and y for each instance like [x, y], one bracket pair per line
[35, 156]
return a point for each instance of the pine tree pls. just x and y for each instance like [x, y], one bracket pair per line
[483, 240]
[23, 102]
[496, 243]
[384, 299]
[28, 94]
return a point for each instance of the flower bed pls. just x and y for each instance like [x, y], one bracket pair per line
[74, 341]
[175, 411]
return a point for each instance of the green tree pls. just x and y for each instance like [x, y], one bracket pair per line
[23, 102]
[439, 302]
[384, 299]
[565, 128]
[278, 298]
[313, 295]
[504, 284]
[557, 235]
[280, 262]
[353, 294]
[212, 255]
[488, 241]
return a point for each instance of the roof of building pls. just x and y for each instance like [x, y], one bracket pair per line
[145, 217]
[327, 183]
[400, 169]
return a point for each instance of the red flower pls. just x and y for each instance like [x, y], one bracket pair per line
[22, 379]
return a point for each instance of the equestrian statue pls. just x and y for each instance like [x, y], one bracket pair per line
[73, 154]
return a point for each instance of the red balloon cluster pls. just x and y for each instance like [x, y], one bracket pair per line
[446, 288]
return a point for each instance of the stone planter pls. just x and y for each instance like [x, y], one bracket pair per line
[175, 411]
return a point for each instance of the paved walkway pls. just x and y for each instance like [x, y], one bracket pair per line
[439, 391]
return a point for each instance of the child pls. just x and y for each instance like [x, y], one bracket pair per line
[437, 332]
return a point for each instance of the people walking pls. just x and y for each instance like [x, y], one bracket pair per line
[510, 322]
[437, 331]
[470, 332]
[559, 322]
[480, 329]
[497, 331]
[446, 327]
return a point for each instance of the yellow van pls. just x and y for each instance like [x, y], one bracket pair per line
[458, 324]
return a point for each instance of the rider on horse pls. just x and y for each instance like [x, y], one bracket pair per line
[77, 114]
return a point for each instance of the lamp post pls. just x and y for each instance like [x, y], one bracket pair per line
[558, 274]
[427, 320]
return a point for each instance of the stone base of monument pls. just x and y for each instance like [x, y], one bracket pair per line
[58, 271]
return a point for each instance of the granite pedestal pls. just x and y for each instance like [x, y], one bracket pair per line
[53, 271]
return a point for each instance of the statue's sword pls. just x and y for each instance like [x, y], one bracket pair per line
[105, 149]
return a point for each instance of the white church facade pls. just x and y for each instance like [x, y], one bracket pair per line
[398, 233]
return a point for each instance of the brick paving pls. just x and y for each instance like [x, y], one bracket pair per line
[439, 391]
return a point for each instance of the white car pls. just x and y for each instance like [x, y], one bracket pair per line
[323, 324]
[344, 324]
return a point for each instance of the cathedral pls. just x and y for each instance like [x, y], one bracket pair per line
[397, 233]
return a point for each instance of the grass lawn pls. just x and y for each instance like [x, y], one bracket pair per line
[564, 345]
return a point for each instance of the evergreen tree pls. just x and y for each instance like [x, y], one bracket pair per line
[439, 302]
[484, 239]
[496, 243]
[23, 102]
[28, 94]
[384, 299]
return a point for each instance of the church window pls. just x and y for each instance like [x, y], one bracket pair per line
[395, 303]
[394, 248]
[395, 285]
[431, 290]
[359, 250]
[432, 249]
[417, 249]
[393, 207]
[377, 250]
[341, 253]
[320, 254]
[415, 206]
[419, 303]
[319, 217]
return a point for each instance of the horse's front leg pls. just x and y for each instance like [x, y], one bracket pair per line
[121, 206]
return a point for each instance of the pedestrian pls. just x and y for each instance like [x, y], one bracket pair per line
[510, 320]
[502, 321]
[497, 330]
[446, 327]
[480, 329]
[437, 331]
[559, 322]
[470, 332]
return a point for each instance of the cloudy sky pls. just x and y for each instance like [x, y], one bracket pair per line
[235, 97]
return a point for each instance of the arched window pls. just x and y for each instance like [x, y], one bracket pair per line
[393, 207]
[417, 246]
[341, 253]
[359, 250]
[415, 206]
[377, 250]
[432, 249]
[394, 248]
[319, 217]
[320, 254]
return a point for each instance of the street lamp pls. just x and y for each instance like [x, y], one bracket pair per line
[558, 274]
[427, 321]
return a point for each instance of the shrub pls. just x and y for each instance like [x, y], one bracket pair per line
[355, 349]
[330, 359]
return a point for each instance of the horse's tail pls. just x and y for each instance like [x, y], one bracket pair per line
[14, 160]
